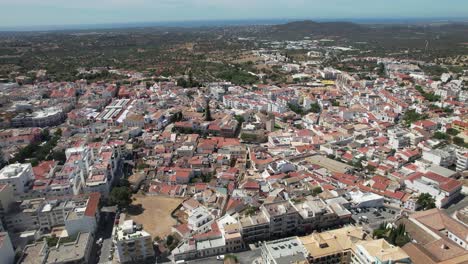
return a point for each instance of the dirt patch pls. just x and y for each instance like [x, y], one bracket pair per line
[154, 213]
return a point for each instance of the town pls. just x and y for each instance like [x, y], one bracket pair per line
[302, 159]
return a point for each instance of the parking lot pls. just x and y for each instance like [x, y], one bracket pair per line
[371, 218]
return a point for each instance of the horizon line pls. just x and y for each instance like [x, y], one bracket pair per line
[225, 22]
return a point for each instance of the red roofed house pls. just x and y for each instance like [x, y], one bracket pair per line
[444, 190]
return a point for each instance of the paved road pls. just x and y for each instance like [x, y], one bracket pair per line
[245, 257]
[105, 231]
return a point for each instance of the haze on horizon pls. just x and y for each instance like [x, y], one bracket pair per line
[23, 13]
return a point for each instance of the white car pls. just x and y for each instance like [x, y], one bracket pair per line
[220, 257]
[99, 241]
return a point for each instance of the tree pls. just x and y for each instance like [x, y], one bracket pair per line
[315, 108]
[425, 201]
[316, 191]
[440, 135]
[452, 131]
[121, 196]
[208, 111]
[458, 141]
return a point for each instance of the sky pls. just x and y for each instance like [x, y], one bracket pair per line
[20, 13]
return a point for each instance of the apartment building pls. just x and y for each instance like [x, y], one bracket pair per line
[462, 160]
[286, 250]
[18, 176]
[347, 245]
[442, 157]
[132, 244]
[51, 116]
[79, 213]
[283, 218]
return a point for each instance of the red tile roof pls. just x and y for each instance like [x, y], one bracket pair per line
[93, 203]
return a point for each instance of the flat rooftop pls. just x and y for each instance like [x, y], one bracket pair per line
[70, 252]
[331, 165]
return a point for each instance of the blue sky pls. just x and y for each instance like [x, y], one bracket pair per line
[72, 12]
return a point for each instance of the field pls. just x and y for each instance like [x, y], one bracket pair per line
[155, 213]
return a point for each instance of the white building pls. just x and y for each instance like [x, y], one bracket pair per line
[462, 160]
[286, 250]
[441, 157]
[361, 199]
[17, 176]
[443, 189]
[132, 245]
[199, 218]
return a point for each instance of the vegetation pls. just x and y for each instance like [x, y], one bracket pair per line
[52, 240]
[452, 131]
[38, 151]
[315, 108]
[121, 196]
[395, 236]
[253, 137]
[431, 97]
[440, 135]
[412, 116]
[460, 142]
[208, 111]
[316, 191]
[237, 76]
[425, 201]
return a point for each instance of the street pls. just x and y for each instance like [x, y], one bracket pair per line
[245, 257]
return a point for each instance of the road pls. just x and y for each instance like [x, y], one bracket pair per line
[105, 231]
[245, 257]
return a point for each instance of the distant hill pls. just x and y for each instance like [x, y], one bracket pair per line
[301, 29]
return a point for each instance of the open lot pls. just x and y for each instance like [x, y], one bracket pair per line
[154, 213]
[375, 216]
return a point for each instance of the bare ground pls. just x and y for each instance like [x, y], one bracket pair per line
[154, 213]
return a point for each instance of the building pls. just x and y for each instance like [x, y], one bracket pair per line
[378, 251]
[363, 200]
[283, 218]
[286, 250]
[6, 198]
[18, 176]
[51, 116]
[441, 157]
[444, 190]
[347, 245]
[76, 249]
[131, 244]
[462, 160]
[7, 253]
[437, 238]
[79, 213]
[199, 218]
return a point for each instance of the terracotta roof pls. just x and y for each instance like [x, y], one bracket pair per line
[93, 203]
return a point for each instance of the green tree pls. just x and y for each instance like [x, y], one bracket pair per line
[208, 111]
[452, 131]
[425, 201]
[121, 196]
[316, 191]
[440, 135]
[458, 141]
[315, 108]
